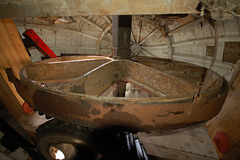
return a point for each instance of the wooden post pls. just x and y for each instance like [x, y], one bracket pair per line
[228, 121]
[12, 55]
[121, 36]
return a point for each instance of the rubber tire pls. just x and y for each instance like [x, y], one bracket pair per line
[55, 132]
[87, 143]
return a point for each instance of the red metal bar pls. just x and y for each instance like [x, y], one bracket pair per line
[39, 42]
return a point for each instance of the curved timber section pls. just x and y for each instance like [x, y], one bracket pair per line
[74, 89]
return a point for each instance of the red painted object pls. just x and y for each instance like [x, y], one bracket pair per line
[26, 108]
[39, 42]
[222, 141]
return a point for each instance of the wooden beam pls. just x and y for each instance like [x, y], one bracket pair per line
[53, 8]
[33, 25]
[9, 97]
[91, 23]
[186, 26]
[154, 23]
[161, 29]
[148, 36]
[12, 55]
[207, 40]
[185, 143]
[107, 19]
[102, 36]
[228, 121]
[147, 53]
[121, 36]
[195, 42]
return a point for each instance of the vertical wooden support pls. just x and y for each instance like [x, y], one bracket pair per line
[121, 36]
[122, 27]
[12, 55]
[115, 35]
[228, 121]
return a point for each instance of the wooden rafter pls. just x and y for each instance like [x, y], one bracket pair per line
[101, 37]
[56, 28]
[107, 19]
[197, 21]
[91, 23]
[148, 36]
[132, 37]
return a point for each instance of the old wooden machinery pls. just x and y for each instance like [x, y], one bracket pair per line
[118, 93]
[72, 89]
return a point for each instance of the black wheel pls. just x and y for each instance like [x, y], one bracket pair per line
[62, 140]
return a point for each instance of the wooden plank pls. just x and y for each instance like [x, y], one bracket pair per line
[185, 20]
[107, 19]
[12, 55]
[9, 97]
[176, 37]
[206, 41]
[36, 26]
[190, 33]
[53, 8]
[183, 35]
[206, 30]
[91, 23]
[199, 50]
[192, 142]
[228, 120]
[198, 30]
[194, 23]
[231, 27]
[102, 36]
